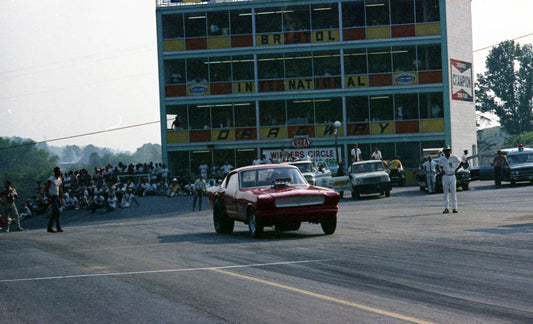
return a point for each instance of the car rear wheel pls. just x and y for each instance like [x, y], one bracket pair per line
[329, 225]
[465, 186]
[223, 224]
[253, 227]
[387, 193]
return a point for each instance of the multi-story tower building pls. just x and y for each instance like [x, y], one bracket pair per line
[239, 78]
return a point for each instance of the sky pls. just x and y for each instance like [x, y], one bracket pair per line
[76, 67]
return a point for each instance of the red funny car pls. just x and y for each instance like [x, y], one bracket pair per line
[271, 195]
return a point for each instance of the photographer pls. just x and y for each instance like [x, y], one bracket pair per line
[7, 199]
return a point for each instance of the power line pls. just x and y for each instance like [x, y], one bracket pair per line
[82, 135]
[490, 46]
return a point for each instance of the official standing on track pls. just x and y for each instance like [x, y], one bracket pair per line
[447, 166]
[430, 167]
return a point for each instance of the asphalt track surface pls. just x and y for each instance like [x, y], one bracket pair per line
[391, 260]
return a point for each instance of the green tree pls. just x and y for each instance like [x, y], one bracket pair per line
[525, 138]
[23, 163]
[148, 153]
[506, 88]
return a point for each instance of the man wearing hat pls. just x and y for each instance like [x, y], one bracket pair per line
[447, 166]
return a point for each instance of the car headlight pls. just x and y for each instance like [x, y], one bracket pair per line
[358, 181]
[515, 172]
[385, 179]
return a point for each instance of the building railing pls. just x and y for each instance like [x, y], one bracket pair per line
[175, 3]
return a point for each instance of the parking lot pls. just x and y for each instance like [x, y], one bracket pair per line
[391, 260]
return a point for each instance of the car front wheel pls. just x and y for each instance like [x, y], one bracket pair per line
[329, 225]
[223, 224]
[253, 227]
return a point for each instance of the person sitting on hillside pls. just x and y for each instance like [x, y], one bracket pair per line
[127, 199]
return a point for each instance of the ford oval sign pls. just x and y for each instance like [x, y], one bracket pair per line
[198, 90]
[405, 78]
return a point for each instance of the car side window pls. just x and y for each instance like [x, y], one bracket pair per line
[233, 182]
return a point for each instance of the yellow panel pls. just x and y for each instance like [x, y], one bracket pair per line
[273, 132]
[173, 45]
[323, 36]
[356, 81]
[299, 84]
[378, 32]
[382, 128]
[243, 87]
[177, 137]
[227, 134]
[428, 29]
[218, 42]
[269, 39]
[432, 125]
[327, 131]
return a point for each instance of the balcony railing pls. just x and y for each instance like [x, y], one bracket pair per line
[176, 3]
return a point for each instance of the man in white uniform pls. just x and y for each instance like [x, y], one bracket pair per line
[356, 153]
[430, 167]
[447, 166]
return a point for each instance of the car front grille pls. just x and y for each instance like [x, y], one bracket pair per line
[371, 180]
[300, 201]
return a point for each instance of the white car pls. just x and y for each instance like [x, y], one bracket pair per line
[316, 175]
[369, 177]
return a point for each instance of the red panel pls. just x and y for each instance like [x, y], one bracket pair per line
[271, 85]
[430, 77]
[353, 34]
[407, 127]
[221, 88]
[175, 91]
[358, 129]
[242, 41]
[245, 134]
[195, 44]
[328, 83]
[297, 37]
[377, 80]
[301, 130]
[403, 31]
[200, 136]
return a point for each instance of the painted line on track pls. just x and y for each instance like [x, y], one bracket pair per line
[324, 297]
[131, 273]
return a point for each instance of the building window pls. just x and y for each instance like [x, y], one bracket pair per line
[195, 24]
[175, 71]
[381, 108]
[357, 109]
[272, 113]
[431, 105]
[172, 26]
[325, 16]
[300, 112]
[241, 22]
[429, 57]
[199, 117]
[298, 65]
[218, 23]
[379, 60]
[409, 154]
[355, 61]
[406, 106]
[243, 67]
[427, 11]
[219, 69]
[353, 14]
[326, 63]
[377, 12]
[245, 114]
[270, 66]
[177, 117]
[296, 18]
[404, 58]
[197, 70]
[222, 115]
[328, 111]
[402, 12]
[268, 20]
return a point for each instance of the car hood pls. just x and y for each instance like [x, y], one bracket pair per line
[369, 174]
[294, 190]
[521, 166]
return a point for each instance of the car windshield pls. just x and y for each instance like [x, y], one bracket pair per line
[304, 167]
[520, 158]
[265, 177]
[367, 167]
